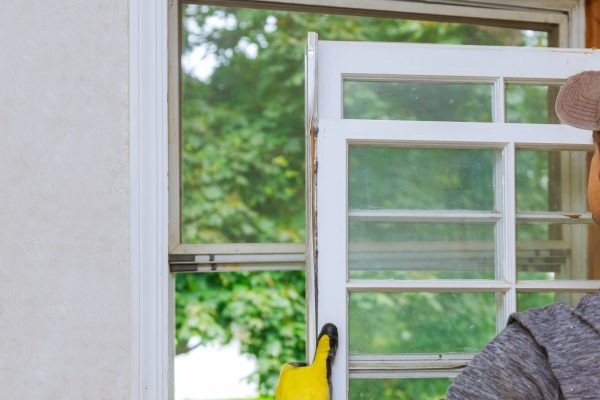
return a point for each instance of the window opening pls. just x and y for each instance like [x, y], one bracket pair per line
[242, 160]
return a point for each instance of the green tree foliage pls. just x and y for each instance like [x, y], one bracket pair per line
[397, 389]
[387, 323]
[243, 179]
[264, 311]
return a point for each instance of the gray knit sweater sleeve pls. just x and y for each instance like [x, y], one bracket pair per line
[546, 353]
[512, 367]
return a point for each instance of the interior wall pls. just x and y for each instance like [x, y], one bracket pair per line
[64, 200]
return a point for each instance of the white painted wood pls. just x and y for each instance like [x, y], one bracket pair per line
[382, 366]
[249, 258]
[152, 340]
[457, 134]
[391, 215]
[390, 246]
[440, 285]
[310, 110]
[406, 374]
[331, 261]
[383, 61]
[229, 267]
[567, 286]
[499, 103]
[384, 359]
[174, 102]
[576, 25]
[239, 248]
[386, 60]
[555, 217]
[506, 236]
[574, 175]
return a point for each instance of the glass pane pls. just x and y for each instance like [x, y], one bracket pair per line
[399, 389]
[552, 251]
[242, 110]
[551, 180]
[418, 101]
[419, 178]
[532, 104]
[421, 322]
[528, 300]
[231, 326]
[421, 250]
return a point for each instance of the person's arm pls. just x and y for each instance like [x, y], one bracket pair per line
[511, 367]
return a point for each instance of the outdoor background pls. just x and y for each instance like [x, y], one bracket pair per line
[243, 182]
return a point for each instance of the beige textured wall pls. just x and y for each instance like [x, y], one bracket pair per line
[64, 200]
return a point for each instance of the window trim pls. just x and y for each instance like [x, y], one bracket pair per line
[152, 291]
[154, 84]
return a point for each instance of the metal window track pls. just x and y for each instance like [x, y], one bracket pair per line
[390, 366]
[236, 262]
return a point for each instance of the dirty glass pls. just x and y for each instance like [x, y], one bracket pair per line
[530, 103]
[420, 178]
[380, 250]
[399, 389]
[552, 251]
[418, 101]
[420, 322]
[545, 180]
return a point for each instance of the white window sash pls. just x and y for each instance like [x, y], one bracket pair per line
[554, 16]
[388, 61]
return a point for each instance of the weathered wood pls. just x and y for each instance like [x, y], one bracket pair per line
[592, 39]
[592, 23]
